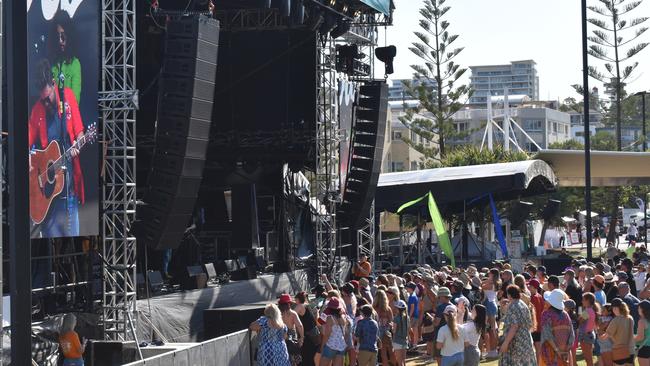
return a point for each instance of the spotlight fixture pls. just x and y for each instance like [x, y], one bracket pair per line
[387, 55]
[332, 2]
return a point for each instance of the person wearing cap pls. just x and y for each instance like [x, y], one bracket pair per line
[295, 330]
[557, 331]
[400, 332]
[362, 268]
[630, 300]
[272, 348]
[598, 283]
[517, 347]
[621, 332]
[450, 340]
[336, 328]
[366, 334]
[414, 313]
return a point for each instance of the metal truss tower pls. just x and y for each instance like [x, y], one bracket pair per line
[327, 158]
[118, 103]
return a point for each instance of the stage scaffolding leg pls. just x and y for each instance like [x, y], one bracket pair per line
[327, 152]
[366, 237]
[118, 103]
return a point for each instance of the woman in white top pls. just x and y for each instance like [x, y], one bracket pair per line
[333, 345]
[472, 331]
[450, 340]
[490, 288]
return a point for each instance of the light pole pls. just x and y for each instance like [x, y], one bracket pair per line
[643, 131]
[585, 87]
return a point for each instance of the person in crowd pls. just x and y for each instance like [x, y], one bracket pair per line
[632, 233]
[439, 321]
[385, 322]
[642, 337]
[605, 344]
[626, 266]
[364, 290]
[472, 331]
[62, 42]
[335, 330]
[311, 344]
[586, 331]
[450, 340]
[640, 278]
[71, 347]
[462, 312]
[570, 307]
[630, 300]
[295, 330]
[611, 287]
[272, 332]
[490, 289]
[414, 314]
[537, 300]
[517, 347]
[400, 332]
[366, 334]
[598, 284]
[621, 332]
[362, 268]
[571, 286]
[557, 335]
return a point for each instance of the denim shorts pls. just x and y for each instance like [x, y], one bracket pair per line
[453, 360]
[73, 362]
[330, 353]
[491, 308]
[605, 345]
[587, 337]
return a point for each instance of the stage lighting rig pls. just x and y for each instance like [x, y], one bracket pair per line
[342, 28]
[349, 61]
[387, 55]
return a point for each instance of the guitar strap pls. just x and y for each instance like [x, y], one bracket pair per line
[64, 138]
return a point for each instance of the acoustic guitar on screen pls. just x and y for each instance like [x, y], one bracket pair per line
[47, 176]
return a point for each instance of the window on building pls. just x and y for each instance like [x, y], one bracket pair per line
[533, 125]
[414, 165]
[414, 137]
[398, 166]
[397, 135]
[462, 126]
[531, 147]
[554, 127]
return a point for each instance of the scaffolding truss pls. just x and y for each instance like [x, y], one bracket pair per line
[118, 103]
[327, 159]
[366, 237]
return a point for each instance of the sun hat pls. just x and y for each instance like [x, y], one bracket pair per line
[464, 279]
[555, 298]
[444, 292]
[476, 282]
[400, 304]
[285, 299]
[609, 277]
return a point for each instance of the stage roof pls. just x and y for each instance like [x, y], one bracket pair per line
[608, 168]
[453, 186]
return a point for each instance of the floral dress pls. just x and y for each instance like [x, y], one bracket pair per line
[272, 349]
[520, 351]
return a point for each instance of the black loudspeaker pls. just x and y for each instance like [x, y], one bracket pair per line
[110, 353]
[365, 154]
[195, 278]
[520, 212]
[552, 208]
[245, 233]
[222, 321]
[185, 104]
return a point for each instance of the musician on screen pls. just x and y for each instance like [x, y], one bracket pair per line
[56, 179]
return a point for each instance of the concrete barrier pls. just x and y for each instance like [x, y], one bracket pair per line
[235, 349]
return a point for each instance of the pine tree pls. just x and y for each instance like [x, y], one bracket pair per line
[435, 81]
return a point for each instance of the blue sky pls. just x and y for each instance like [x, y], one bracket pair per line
[499, 31]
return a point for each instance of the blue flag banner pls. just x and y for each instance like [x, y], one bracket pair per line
[379, 5]
[497, 227]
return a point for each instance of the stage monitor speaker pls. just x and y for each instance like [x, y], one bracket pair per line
[365, 154]
[110, 353]
[520, 212]
[222, 321]
[185, 111]
[552, 208]
[246, 273]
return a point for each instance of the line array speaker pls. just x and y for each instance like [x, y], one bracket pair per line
[185, 100]
[365, 154]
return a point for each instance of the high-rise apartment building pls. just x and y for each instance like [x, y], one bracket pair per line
[519, 77]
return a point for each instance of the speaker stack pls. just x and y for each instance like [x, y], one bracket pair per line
[366, 154]
[185, 101]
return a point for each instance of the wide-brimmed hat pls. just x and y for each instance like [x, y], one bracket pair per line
[444, 291]
[471, 271]
[555, 298]
[609, 277]
[476, 282]
[285, 299]
[600, 279]
[464, 279]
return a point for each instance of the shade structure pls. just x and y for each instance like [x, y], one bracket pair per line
[608, 168]
[455, 187]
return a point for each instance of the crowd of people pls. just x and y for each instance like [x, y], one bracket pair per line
[461, 316]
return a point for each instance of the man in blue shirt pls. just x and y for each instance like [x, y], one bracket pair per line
[414, 313]
[631, 301]
[367, 332]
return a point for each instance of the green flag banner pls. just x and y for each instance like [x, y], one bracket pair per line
[438, 224]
